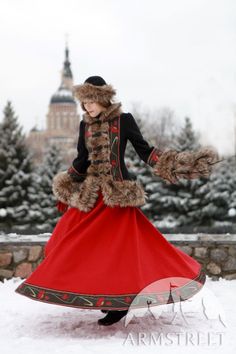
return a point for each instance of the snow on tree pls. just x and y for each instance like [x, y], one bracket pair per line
[204, 201]
[187, 202]
[214, 198]
[157, 134]
[232, 184]
[44, 214]
[133, 162]
[198, 202]
[226, 187]
[138, 169]
[15, 171]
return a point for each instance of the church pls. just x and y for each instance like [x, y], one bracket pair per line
[62, 121]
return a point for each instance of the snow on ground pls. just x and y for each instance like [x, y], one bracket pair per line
[28, 326]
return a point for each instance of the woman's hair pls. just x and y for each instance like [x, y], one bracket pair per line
[105, 104]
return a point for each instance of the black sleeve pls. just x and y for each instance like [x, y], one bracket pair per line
[80, 163]
[149, 154]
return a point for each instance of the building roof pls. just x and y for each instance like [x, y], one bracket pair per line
[62, 95]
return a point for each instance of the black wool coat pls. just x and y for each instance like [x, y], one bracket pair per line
[100, 165]
[128, 129]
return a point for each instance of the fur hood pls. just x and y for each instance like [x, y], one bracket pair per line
[83, 195]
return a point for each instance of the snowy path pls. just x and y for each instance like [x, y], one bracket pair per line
[28, 326]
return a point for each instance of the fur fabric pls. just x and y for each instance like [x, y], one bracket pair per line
[83, 195]
[94, 93]
[173, 165]
[111, 112]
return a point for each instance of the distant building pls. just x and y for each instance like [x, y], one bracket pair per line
[62, 121]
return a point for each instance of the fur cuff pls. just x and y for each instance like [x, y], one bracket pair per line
[63, 186]
[173, 165]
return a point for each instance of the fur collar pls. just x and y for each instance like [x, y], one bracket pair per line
[111, 112]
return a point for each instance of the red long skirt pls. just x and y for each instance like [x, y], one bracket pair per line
[111, 258]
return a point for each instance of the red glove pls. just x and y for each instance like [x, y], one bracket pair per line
[62, 207]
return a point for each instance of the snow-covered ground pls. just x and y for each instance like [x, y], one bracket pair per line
[28, 326]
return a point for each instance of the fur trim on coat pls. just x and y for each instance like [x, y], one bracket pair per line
[84, 194]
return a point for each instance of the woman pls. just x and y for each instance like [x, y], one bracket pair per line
[104, 253]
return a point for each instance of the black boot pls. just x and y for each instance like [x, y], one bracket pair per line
[112, 317]
[104, 311]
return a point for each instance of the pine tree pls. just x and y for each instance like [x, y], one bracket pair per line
[187, 139]
[214, 196]
[44, 214]
[135, 165]
[188, 201]
[158, 135]
[137, 168]
[202, 202]
[178, 205]
[232, 184]
[222, 194]
[15, 172]
[232, 201]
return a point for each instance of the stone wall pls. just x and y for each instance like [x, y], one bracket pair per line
[21, 254]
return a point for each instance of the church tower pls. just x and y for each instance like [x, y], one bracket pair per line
[62, 114]
[62, 121]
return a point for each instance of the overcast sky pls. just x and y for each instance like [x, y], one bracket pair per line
[175, 53]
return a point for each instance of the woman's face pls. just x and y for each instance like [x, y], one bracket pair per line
[93, 108]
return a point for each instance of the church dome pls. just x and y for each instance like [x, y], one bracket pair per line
[62, 95]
